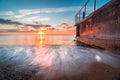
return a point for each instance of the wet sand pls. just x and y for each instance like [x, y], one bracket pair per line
[97, 71]
[58, 63]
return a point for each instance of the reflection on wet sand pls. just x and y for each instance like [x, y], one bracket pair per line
[55, 58]
[61, 62]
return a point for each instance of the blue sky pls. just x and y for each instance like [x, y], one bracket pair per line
[53, 12]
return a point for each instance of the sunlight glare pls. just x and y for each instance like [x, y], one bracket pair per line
[41, 32]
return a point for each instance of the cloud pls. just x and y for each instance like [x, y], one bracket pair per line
[48, 10]
[23, 13]
[7, 13]
[29, 11]
[35, 19]
[26, 12]
[38, 18]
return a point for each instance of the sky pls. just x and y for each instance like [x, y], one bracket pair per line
[52, 12]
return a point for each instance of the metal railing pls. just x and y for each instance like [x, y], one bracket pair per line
[81, 14]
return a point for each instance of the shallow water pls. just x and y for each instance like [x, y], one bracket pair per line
[52, 57]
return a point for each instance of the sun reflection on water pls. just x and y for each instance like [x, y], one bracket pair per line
[40, 38]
